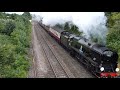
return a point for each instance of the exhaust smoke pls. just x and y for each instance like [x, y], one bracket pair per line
[92, 24]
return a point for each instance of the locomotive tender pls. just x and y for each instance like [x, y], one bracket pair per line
[97, 58]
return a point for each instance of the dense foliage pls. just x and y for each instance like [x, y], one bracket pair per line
[14, 44]
[69, 26]
[113, 37]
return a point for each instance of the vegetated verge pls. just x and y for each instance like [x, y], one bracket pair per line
[15, 37]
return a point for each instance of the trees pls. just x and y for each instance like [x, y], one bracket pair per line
[2, 26]
[14, 43]
[13, 16]
[27, 15]
[74, 29]
[9, 27]
[59, 26]
[69, 26]
[2, 15]
[113, 36]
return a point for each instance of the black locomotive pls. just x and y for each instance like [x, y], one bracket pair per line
[97, 58]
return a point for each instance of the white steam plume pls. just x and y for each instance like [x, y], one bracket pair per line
[88, 22]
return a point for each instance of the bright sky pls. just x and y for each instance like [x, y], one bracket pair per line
[15, 12]
[37, 13]
[83, 18]
[78, 18]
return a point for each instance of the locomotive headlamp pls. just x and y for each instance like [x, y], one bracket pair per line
[117, 69]
[102, 69]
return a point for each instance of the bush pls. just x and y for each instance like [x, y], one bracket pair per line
[2, 26]
[113, 37]
[14, 44]
[9, 27]
[7, 52]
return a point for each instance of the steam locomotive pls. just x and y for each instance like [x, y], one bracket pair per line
[97, 58]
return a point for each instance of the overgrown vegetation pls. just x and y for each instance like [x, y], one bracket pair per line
[14, 44]
[113, 37]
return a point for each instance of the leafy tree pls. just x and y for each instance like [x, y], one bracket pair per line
[59, 26]
[113, 36]
[7, 54]
[15, 38]
[13, 16]
[27, 15]
[9, 27]
[2, 15]
[70, 27]
[74, 29]
[2, 26]
[66, 26]
[112, 17]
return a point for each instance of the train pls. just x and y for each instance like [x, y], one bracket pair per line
[100, 60]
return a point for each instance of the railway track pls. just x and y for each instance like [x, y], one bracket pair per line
[57, 67]
[71, 66]
[51, 60]
[57, 57]
[39, 68]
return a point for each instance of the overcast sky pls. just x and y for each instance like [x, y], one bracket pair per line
[81, 19]
[84, 20]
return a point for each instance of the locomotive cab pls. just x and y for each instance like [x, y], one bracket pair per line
[65, 38]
